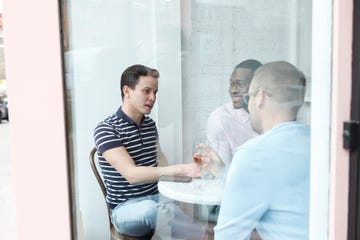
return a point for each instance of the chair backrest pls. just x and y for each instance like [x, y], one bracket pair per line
[114, 234]
[94, 167]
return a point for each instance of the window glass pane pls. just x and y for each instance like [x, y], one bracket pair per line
[195, 45]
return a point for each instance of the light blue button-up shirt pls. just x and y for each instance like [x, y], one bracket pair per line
[267, 187]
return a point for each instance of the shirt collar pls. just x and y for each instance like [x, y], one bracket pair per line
[241, 114]
[123, 115]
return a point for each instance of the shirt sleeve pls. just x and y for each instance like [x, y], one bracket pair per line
[216, 138]
[245, 198]
[106, 137]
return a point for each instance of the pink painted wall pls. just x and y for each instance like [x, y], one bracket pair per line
[37, 128]
[341, 98]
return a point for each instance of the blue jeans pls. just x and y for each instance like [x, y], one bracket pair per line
[137, 217]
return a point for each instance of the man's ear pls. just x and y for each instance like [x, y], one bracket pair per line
[260, 99]
[125, 90]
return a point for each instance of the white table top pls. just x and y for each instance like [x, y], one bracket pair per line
[198, 191]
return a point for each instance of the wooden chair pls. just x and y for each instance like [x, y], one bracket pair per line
[114, 235]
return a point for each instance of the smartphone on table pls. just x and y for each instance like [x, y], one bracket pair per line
[175, 178]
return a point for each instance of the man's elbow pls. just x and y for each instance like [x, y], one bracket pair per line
[128, 173]
[132, 178]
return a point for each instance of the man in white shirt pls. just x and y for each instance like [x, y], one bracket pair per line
[229, 125]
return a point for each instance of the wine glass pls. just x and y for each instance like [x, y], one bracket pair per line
[200, 157]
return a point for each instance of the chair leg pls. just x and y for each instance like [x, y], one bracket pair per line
[255, 235]
[146, 237]
[119, 236]
[114, 235]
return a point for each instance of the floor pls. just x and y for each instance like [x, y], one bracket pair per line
[7, 198]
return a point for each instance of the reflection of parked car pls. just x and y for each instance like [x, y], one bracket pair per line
[4, 112]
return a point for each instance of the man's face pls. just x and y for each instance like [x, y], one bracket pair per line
[239, 84]
[143, 97]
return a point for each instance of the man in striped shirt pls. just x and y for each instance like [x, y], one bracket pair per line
[129, 154]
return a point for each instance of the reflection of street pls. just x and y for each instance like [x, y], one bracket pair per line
[7, 199]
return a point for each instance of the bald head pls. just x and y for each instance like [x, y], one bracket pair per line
[284, 84]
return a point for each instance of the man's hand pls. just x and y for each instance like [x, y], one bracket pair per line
[211, 159]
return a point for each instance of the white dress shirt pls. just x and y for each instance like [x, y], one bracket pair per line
[228, 128]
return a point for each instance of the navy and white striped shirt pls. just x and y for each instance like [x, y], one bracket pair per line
[119, 130]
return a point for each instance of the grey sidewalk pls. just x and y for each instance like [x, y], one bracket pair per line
[7, 198]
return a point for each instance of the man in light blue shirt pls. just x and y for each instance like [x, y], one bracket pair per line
[267, 185]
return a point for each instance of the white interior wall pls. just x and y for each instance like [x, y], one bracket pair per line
[167, 28]
[221, 34]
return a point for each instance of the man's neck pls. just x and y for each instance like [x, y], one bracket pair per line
[275, 119]
[132, 114]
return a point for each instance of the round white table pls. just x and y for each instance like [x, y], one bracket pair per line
[198, 191]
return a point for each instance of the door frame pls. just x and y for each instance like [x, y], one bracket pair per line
[354, 158]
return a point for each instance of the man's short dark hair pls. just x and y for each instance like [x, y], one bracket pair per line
[250, 64]
[131, 75]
